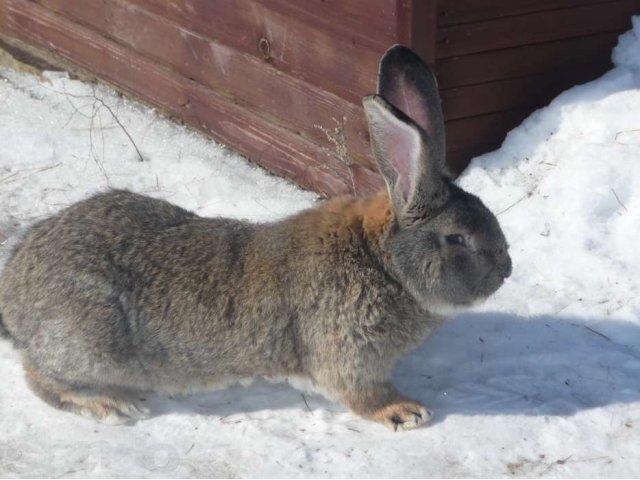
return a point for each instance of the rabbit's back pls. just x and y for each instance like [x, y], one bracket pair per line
[128, 286]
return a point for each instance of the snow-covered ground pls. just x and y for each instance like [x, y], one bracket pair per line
[543, 380]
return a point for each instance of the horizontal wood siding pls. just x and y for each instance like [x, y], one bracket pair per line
[486, 131]
[455, 12]
[282, 80]
[613, 16]
[529, 91]
[542, 58]
[321, 57]
[498, 60]
[372, 22]
[286, 100]
[282, 151]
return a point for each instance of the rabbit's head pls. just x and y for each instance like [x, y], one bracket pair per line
[446, 247]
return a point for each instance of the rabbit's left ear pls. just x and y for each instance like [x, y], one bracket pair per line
[413, 175]
[407, 83]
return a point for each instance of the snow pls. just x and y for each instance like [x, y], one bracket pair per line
[542, 380]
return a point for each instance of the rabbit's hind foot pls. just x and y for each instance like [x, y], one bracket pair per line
[105, 405]
[106, 409]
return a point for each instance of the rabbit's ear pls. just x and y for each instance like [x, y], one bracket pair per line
[406, 82]
[413, 177]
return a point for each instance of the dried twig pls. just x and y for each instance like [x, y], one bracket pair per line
[305, 402]
[595, 332]
[615, 139]
[11, 175]
[564, 461]
[618, 199]
[92, 150]
[553, 464]
[563, 308]
[96, 99]
[338, 137]
[515, 203]
[140, 157]
[35, 172]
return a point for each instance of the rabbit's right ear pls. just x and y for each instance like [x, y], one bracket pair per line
[406, 82]
[413, 175]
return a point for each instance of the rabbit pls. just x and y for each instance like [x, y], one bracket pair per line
[121, 293]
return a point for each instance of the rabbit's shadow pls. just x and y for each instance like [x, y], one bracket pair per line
[478, 363]
[490, 363]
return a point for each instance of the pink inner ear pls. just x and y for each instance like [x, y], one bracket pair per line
[405, 97]
[400, 144]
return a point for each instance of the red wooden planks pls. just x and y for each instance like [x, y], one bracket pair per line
[467, 133]
[457, 160]
[279, 150]
[368, 21]
[613, 16]
[281, 99]
[455, 12]
[531, 91]
[470, 137]
[285, 42]
[527, 60]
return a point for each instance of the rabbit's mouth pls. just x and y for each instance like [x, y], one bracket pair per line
[488, 284]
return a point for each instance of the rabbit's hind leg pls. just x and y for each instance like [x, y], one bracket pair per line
[111, 406]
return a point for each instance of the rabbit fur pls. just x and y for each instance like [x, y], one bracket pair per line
[122, 293]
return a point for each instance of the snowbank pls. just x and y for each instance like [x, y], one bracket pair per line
[566, 188]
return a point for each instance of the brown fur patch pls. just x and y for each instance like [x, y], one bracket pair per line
[33, 375]
[377, 215]
[343, 217]
[64, 398]
[99, 406]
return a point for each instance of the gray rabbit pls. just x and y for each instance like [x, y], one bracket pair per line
[122, 293]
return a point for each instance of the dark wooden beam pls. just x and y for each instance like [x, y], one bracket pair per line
[416, 26]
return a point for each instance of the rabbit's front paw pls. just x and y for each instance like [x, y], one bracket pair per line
[402, 415]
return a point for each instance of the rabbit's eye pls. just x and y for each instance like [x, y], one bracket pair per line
[455, 239]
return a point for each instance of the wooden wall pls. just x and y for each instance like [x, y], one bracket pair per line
[282, 80]
[498, 60]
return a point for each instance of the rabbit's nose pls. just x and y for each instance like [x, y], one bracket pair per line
[504, 265]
